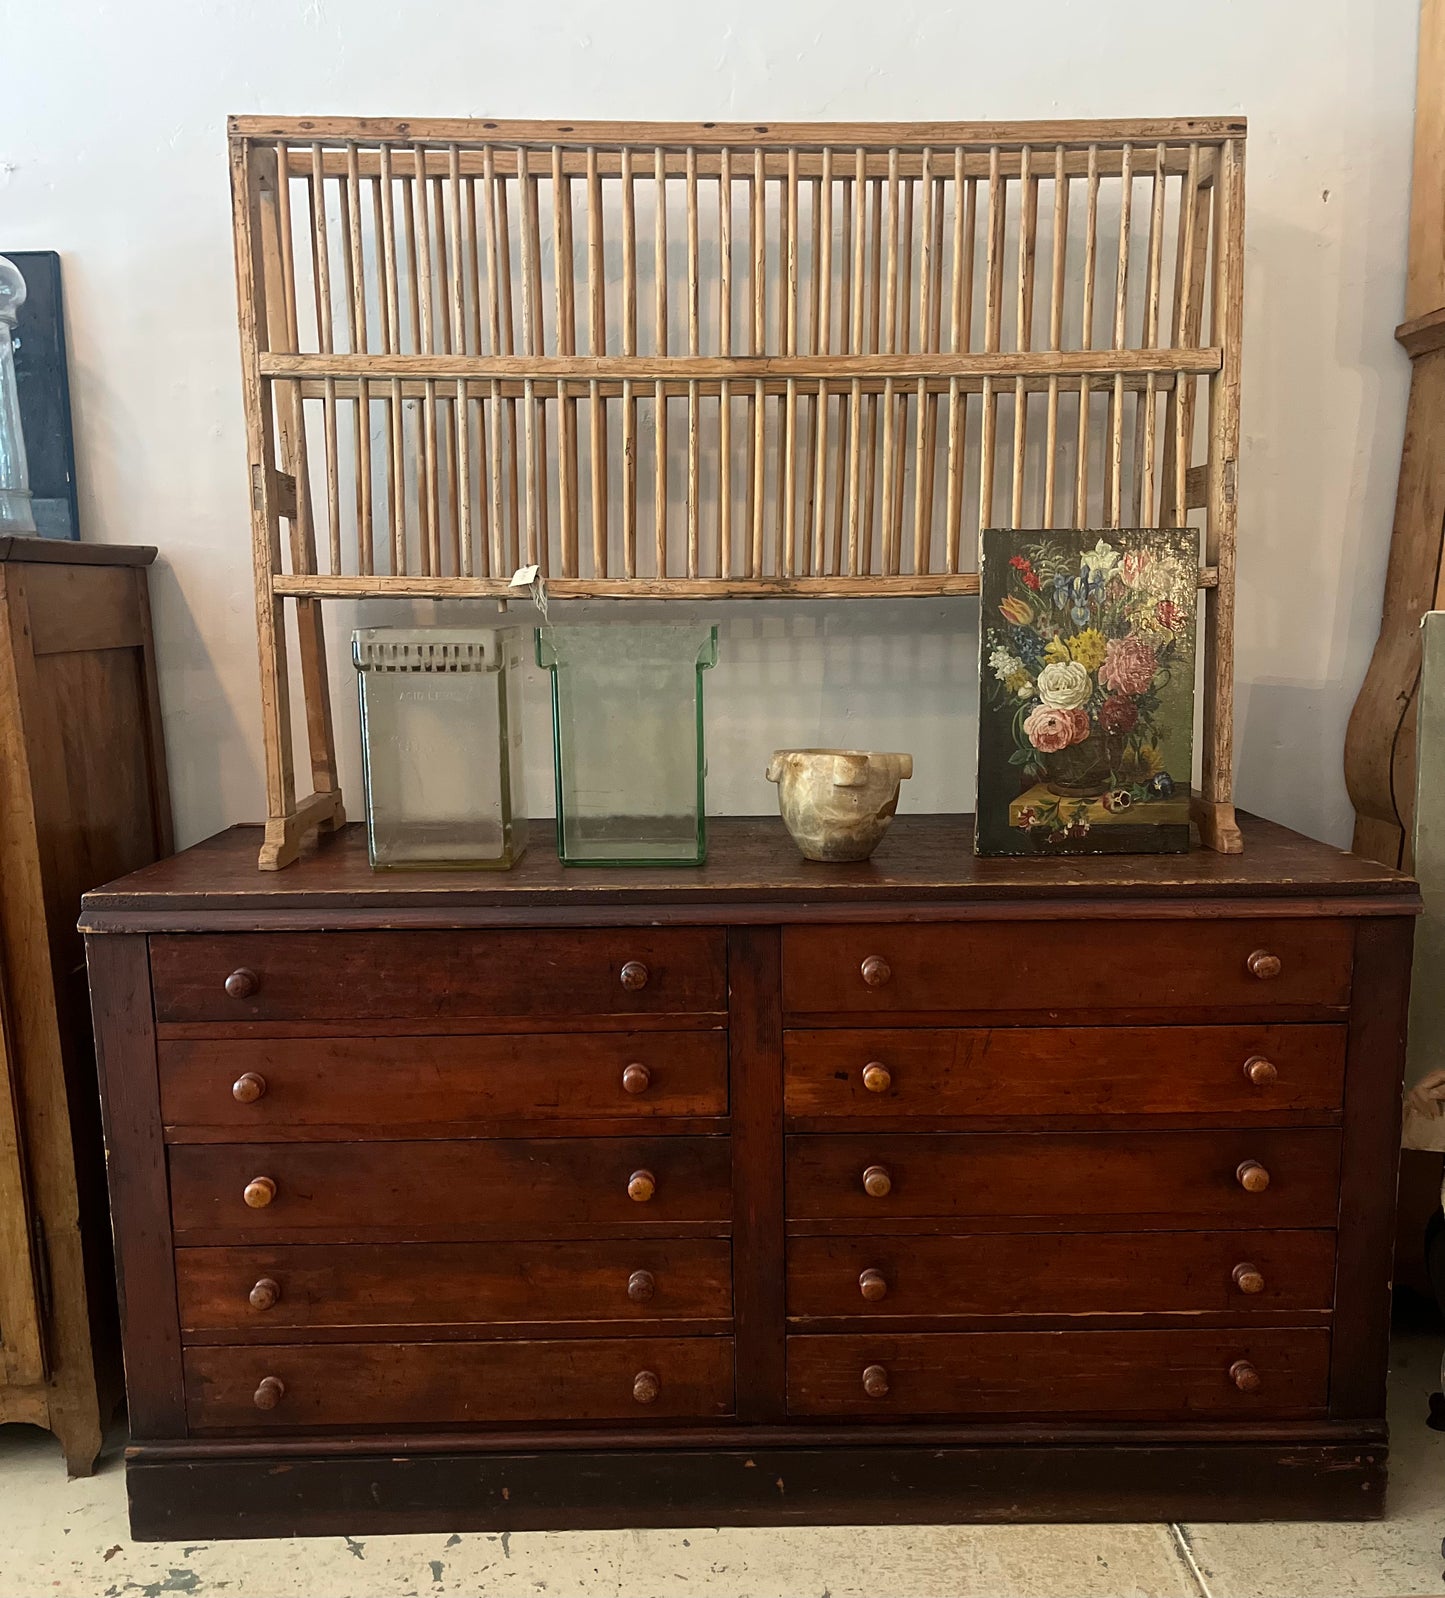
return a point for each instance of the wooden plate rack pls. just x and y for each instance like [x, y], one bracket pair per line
[716, 360]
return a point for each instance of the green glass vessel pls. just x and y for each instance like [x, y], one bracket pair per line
[627, 741]
[441, 739]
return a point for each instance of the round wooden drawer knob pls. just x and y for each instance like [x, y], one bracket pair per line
[265, 1294]
[1251, 1176]
[1264, 965]
[641, 1285]
[259, 1192]
[1248, 1278]
[875, 971]
[634, 976]
[241, 984]
[269, 1392]
[877, 1078]
[636, 1078]
[641, 1185]
[1260, 1071]
[1245, 1377]
[876, 1182]
[873, 1285]
[248, 1087]
[875, 1381]
[646, 1387]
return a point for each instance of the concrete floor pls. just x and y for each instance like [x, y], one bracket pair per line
[68, 1539]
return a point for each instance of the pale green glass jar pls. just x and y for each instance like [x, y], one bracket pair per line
[627, 741]
[441, 733]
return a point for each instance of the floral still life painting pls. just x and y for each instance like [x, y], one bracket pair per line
[1086, 720]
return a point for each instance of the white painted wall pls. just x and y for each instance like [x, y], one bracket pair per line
[112, 150]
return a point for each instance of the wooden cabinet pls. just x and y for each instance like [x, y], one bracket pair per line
[82, 797]
[761, 1193]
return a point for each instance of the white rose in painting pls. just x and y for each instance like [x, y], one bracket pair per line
[1064, 685]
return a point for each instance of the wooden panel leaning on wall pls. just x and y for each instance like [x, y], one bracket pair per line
[925, 1188]
[83, 795]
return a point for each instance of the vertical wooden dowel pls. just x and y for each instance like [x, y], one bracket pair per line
[893, 531]
[1056, 328]
[529, 460]
[508, 326]
[874, 345]
[629, 347]
[953, 514]
[855, 428]
[563, 263]
[845, 339]
[536, 517]
[1146, 473]
[597, 344]
[456, 259]
[360, 344]
[821, 343]
[420, 213]
[725, 347]
[922, 508]
[1027, 251]
[962, 189]
[1086, 339]
[474, 275]
[890, 312]
[1121, 312]
[1181, 439]
[930, 323]
[500, 566]
[787, 325]
[694, 438]
[532, 287]
[992, 320]
[432, 563]
[755, 498]
[757, 340]
[659, 334]
[484, 542]
[885, 563]
[462, 479]
[321, 276]
[818, 566]
[788, 566]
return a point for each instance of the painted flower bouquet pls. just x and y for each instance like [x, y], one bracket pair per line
[1090, 655]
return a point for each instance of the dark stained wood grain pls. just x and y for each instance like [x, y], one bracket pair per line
[61, 551]
[441, 1384]
[441, 1190]
[311, 1084]
[1113, 1374]
[1163, 1180]
[136, 1163]
[755, 1035]
[194, 1498]
[924, 859]
[1030, 1071]
[374, 976]
[1088, 966]
[1369, 1163]
[1076, 1273]
[384, 1287]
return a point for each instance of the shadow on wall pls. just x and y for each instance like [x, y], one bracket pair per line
[1285, 732]
[895, 675]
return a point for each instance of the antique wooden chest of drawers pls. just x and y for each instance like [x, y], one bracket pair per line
[928, 1188]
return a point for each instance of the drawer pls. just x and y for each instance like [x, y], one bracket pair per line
[276, 1291]
[1144, 1180]
[1068, 1273]
[380, 976]
[1023, 966]
[1173, 1375]
[482, 1188]
[254, 1087]
[441, 1384]
[1223, 1071]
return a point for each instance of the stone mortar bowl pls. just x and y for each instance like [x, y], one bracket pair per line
[837, 803]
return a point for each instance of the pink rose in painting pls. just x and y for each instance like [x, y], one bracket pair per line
[1049, 729]
[1129, 665]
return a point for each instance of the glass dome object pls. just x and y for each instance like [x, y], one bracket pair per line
[442, 746]
[627, 741]
[15, 512]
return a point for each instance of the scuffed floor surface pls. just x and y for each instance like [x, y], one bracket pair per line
[69, 1539]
